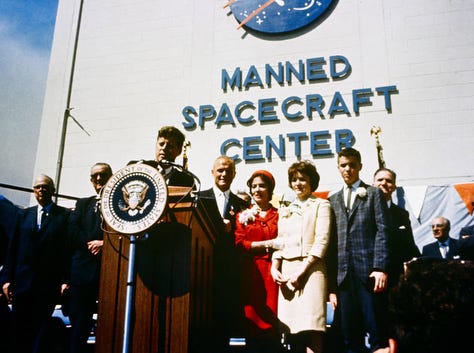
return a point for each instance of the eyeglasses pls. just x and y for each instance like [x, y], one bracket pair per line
[42, 186]
[437, 225]
[102, 175]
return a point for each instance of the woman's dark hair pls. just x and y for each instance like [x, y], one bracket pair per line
[307, 168]
[267, 179]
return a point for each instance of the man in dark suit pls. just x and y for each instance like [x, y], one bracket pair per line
[362, 226]
[169, 145]
[37, 267]
[467, 231]
[8, 212]
[466, 243]
[223, 206]
[444, 247]
[402, 245]
[85, 232]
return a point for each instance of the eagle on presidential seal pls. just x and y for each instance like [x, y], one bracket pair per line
[134, 194]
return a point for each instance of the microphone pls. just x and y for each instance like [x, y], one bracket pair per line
[164, 163]
[151, 163]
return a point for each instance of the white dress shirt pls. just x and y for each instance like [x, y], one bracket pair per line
[222, 197]
[353, 195]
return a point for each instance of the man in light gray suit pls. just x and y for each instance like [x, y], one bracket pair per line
[361, 257]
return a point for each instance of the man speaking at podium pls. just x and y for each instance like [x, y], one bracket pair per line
[169, 145]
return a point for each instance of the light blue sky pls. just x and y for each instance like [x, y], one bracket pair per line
[26, 34]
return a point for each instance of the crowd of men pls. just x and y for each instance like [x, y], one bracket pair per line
[373, 242]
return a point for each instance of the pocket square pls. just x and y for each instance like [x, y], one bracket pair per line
[402, 227]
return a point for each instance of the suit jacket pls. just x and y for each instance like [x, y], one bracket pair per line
[362, 235]
[85, 225]
[8, 212]
[226, 258]
[466, 243]
[226, 267]
[234, 205]
[314, 220]
[466, 247]
[469, 230]
[432, 249]
[38, 260]
[179, 178]
[402, 245]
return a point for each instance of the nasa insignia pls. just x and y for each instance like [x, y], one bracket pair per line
[277, 16]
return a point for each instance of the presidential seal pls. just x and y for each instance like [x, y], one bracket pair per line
[134, 199]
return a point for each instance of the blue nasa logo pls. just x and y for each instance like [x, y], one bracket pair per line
[277, 16]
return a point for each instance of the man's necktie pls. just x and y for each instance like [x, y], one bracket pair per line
[349, 194]
[443, 249]
[42, 218]
[222, 202]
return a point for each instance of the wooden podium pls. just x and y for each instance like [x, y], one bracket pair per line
[173, 287]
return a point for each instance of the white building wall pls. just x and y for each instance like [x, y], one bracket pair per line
[139, 63]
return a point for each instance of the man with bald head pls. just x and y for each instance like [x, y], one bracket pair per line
[36, 268]
[444, 247]
[401, 245]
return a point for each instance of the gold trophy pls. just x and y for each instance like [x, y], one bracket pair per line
[185, 156]
[375, 131]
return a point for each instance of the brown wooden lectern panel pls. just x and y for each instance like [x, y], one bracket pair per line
[173, 290]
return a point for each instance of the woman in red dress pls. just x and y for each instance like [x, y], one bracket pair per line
[256, 227]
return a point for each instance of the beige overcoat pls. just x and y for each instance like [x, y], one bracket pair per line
[303, 230]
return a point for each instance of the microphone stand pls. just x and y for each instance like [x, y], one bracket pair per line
[131, 276]
[197, 183]
[130, 296]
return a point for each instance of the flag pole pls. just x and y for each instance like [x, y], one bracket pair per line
[67, 111]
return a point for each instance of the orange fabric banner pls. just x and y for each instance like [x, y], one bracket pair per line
[466, 192]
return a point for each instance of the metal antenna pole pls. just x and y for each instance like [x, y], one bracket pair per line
[68, 104]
